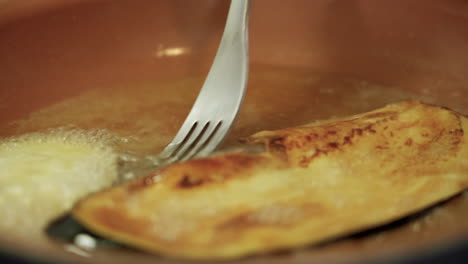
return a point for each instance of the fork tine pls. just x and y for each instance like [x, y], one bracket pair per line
[204, 140]
[191, 140]
[183, 134]
[214, 141]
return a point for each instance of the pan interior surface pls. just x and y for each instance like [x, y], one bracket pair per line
[133, 69]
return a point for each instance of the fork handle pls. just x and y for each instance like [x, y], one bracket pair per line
[228, 74]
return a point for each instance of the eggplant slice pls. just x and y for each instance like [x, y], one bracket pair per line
[313, 183]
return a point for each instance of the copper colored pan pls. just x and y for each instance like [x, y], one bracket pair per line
[309, 60]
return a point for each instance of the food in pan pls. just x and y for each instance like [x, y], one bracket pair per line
[310, 184]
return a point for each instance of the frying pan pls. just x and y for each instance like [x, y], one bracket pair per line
[51, 51]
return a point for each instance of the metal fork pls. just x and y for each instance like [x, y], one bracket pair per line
[218, 103]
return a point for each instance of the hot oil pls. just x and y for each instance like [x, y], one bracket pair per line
[144, 117]
[43, 174]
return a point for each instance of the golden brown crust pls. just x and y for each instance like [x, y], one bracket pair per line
[314, 182]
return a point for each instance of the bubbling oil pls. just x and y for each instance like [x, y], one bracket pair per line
[43, 174]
